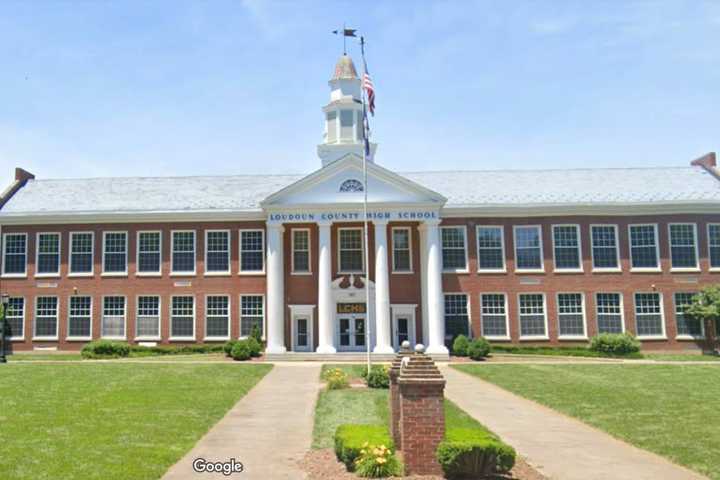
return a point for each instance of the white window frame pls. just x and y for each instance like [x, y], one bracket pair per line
[679, 336]
[102, 317]
[707, 232]
[127, 240]
[362, 250]
[170, 319]
[4, 260]
[542, 251]
[621, 306]
[410, 269]
[616, 228]
[138, 273]
[578, 232]
[696, 246]
[657, 248]
[465, 242]
[37, 255]
[507, 316]
[240, 315]
[302, 311]
[218, 273]
[188, 273]
[293, 270]
[240, 252]
[545, 314]
[584, 336]
[19, 338]
[57, 318]
[229, 320]
[468, 303]
[663, 336]
[92, 254]
[502, 244]
[158, 337]
[75, 338]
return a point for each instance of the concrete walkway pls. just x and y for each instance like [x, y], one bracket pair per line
[268, 430]
[560, 447]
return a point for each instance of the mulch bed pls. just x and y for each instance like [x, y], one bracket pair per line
[322, 465]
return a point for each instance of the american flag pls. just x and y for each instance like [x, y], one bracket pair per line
[370, 89]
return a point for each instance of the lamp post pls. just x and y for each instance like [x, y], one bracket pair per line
[4, 299]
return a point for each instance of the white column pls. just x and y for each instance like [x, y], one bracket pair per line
[275, 290]
[326, 314]
[424, 283]
[382, 290]
[436, 302]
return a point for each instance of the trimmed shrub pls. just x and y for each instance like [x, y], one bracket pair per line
[256, 334]
[255, 346]
[478, 349]
[143, 351]
[473, 452]
[351, 439]
[378, 378]
[336, 379]
[241, 350]
[377, 462]
[228, 346]
[460, 346]
[105, 349]
[615, 344]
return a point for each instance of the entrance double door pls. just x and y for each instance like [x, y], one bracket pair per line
[351, 330]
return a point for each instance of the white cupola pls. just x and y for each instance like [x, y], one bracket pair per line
[343, 115]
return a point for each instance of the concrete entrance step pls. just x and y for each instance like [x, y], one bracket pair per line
[356, 357]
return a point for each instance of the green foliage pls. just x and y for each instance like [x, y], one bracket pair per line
[474, 452]
[478, 349]
[335, 379]
[241, 350]
[377, 462]
[705, 306]
[564, 351]
[460, 346]
[378, 377]
[228, 346]
[351, 439]
[255, 346]
[256, 334]
[615, 344]
[105, 349]
[143, 351]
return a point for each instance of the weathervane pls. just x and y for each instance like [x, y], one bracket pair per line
[346, 32]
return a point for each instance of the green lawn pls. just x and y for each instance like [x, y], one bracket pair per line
[110, 420]
[58, 357]
[682, 357]
[672, 410]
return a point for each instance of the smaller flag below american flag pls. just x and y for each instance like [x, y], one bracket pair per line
[370, 90]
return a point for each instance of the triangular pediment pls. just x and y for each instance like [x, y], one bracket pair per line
[342, 183]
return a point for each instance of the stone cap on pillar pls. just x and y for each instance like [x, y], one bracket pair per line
[419, 368]
[405, 351]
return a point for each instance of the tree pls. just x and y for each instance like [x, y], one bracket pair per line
[705, 307]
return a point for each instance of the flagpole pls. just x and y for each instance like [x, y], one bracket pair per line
[365, 202]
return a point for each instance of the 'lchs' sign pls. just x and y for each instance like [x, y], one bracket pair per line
[350, 308]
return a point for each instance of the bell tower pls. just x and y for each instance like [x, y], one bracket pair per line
[343, 115]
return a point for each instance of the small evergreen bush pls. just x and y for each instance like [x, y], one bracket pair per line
[377, 462]
[336, 379]
[478, 349]
[474, 453]
[228, 346]
[241, 350]
[460, 346]
[378, 377]
[256, 334]
[255, 346]
[351, 439]
[105, 349]
[615, 344]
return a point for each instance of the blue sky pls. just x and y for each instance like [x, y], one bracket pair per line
[186, 88]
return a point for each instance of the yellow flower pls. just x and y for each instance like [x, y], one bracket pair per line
[381, 460]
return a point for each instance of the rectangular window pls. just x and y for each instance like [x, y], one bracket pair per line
[149, 256]
[217, 317]
[566, 247]
[687, 326]
[217, 251]
[457, 318]
[644, 246]
[113, 319]
[714, 245]
[182, 317]
[252, 313]
[604, 241]
[80, 318]
[46, 318]
[493, 315]
[532, 315]
[48, 254]
[147, 320]
[649, 315]
[571, 315]
[115, 252]
[15, 318]
[609, 313]
[332, 127]
[252, 251]
[346, 125]
[301, 250]
[683, 246]
[183, 252]
[528, 248]
[454, 252]
[350, 249]
[81, 253]
[491, 249]
[15, 254]
[402, 251]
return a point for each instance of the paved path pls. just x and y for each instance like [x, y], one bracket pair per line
[560, 447]
[268, 430]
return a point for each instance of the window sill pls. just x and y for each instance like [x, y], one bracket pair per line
[114, 274]
[47, 275]
[81, 275]
[148, 274]
[572, 337]
[183, 274]
[113, 338]
[216, 339]
[685, 270]
[606, 270]
[148, 339]
[45, 339]
[301, 274]
[78, 339]
[252, 273]
[491, 270]
[689, 338]
[182, 339]
[533, 337]
[646, 270]
[217, 274]
[497, 339]
[14, 275]
[350, 272]
[402, 272]
[714, 270]
[651, 337]
[526, 271]
[568, 270]
[464, 271]
[16, 339]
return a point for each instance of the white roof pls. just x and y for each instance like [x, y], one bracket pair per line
[243, 193]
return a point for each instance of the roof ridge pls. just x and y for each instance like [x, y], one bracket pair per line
[171, 177]
[579, 169]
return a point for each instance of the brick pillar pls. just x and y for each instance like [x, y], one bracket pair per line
[395, 393]
[422, 414]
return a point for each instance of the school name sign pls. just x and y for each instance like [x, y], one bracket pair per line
[353, 216]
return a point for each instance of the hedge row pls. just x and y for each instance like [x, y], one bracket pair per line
[112, 349]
